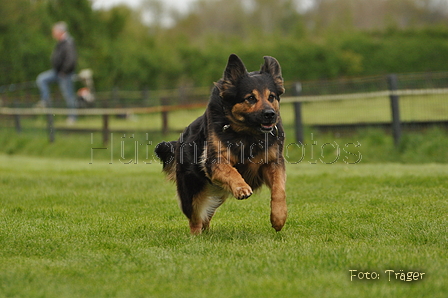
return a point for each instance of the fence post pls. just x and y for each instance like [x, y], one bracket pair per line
[115, 100]
[392, 81]
[297, 90]
[164, 102]
[50, 127]
[145, 96]
[17, 119]
[105, 128]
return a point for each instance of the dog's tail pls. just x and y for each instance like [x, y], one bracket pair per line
[165, 151]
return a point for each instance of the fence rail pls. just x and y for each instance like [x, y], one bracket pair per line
[97, 111]
[365, 95]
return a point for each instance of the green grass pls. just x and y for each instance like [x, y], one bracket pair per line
[375, 145]
[371, 110]
[73, 229]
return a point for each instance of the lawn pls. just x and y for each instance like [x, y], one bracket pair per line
[73, 229]
[373, 110]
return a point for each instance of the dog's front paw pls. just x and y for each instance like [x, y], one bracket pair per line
[242, 192]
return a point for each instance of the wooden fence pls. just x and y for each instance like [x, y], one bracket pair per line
[296, 97]
[16, 113]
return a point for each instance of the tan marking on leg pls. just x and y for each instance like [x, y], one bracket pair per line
[275, 178]
[195, 227]
[223, 173]
[204, 207]
[227, 177]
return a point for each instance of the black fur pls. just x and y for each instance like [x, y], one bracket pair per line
[236, 130]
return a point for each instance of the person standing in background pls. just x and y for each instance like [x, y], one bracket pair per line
[63, 60]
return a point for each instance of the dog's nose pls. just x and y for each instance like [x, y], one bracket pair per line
[269, 114]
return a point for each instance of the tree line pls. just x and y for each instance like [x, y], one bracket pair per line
[133, 49]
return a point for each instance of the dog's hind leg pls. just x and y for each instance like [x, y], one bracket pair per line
[198, 200]
[209, 209]
[204, 207]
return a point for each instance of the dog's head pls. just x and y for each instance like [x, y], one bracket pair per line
[251, 100]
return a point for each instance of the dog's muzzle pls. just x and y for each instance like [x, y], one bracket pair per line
[269, 119]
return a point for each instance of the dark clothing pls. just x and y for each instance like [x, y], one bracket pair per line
[64, 57]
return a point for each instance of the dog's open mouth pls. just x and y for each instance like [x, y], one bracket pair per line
[267, 127]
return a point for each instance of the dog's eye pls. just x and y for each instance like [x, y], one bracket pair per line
[251, 99]
[272, 97]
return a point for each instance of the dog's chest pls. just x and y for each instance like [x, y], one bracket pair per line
[251, 173]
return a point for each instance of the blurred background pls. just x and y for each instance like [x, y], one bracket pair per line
[164, 44]
[146, 53]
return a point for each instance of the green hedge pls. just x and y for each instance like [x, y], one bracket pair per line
[124, 52]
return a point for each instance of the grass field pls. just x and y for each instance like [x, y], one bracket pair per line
[373, 110]
[73, 229]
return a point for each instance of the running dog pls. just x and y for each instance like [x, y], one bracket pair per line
[234, 148]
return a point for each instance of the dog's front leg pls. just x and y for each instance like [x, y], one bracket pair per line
[227, 177]
[275, 178]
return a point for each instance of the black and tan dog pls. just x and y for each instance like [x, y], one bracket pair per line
[234, 148]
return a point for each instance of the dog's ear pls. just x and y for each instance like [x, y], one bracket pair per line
[234, 71]
[272, 67]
